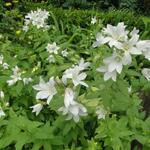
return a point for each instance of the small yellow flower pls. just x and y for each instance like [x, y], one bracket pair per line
[18, 32]
[8, 4]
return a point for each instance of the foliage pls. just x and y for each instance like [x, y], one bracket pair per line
[125, 120]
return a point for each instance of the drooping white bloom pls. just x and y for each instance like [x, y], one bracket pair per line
[5, 66]
[101, 113]
[46, 89]
[71, 108]
[2, 112]
[51, 59]
[100, 40]
[75, 75]
[36, 18]
[93, 20]
[15, 77]
[37, 108]
[146, 73]
[1, 59]
[64, 53]
[52, 48]
[27, 80]
[1, 94]
[115, 34]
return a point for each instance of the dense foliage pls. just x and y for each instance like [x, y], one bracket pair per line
[48, 73]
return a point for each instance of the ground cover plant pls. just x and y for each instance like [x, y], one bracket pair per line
[74, 80]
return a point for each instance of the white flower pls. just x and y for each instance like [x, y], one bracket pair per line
[46, 89]
[146, 73]
[1, 94]
[101, 113]
[130, 89]
[144, 46]
[5, 66]
[114, 65]
[64, 53]
[115, 34]
[83, 65]
[75, 75]
[51, 59]
[37, 108]
[129, 46]
[15, 77]
[52, 48]
[71, 108]
[100, 40]
[1, 112]
[107, 75]
[1, 59]
[93, 20]
[36, 18]
[27, 80]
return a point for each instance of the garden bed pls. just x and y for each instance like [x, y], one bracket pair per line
[68, 82]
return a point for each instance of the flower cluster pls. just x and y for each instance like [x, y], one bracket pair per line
[124, 45]
[46, 90]
[36, 18]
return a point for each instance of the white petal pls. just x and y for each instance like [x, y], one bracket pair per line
[42, 95]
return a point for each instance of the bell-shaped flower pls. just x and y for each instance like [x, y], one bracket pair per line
[46, 89]
[113, 65]
[75, 75]
[37, 108]
[71, 108]
[115, 34]
[100, 40]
